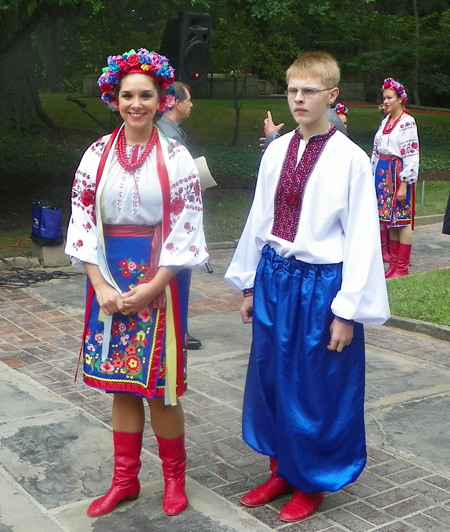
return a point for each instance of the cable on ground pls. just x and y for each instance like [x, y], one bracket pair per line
[19, 277]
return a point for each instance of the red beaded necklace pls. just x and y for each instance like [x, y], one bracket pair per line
[136, 161]
[389, 127]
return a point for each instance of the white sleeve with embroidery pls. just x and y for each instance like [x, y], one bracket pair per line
[82, 234]
[185, 244]
[409, 150]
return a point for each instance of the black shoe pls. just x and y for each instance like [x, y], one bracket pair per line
[193, 343]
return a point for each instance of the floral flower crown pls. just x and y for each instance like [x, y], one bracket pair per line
[340, 109]
[390, 83]
[140, 62]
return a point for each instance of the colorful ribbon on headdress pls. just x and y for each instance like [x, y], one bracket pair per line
[340, 109]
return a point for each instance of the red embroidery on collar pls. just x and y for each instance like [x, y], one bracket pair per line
[292, 183]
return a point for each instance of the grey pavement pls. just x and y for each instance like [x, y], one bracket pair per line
[55, 434]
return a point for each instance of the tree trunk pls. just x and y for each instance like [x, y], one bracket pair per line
[237, 103]
[416, 63]
[21, 110]
[48, 42]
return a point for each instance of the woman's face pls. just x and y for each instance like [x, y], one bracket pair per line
[138, 100]
[391, 101]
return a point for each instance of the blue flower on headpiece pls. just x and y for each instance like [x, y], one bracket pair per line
[163, 71]
[144, 56]
[113, 79]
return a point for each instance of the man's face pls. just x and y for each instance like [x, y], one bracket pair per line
[308, 110]
[185, 106]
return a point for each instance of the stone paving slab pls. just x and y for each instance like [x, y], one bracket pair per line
[18, 511]
[206, 513]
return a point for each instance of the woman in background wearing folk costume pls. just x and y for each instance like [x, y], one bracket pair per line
[395, 164]
[341, 110]
[136, 221]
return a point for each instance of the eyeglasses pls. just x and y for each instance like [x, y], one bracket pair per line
[306, 93]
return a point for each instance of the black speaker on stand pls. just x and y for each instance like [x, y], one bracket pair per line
[186, 44]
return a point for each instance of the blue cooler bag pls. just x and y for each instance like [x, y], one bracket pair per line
[47, 227]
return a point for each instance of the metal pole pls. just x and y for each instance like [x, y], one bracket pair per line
[422, 198]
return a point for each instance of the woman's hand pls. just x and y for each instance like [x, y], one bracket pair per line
[139, 297]
[402, 189]
[109, 299]
[341, 335]
[143, 294]
[247, 309]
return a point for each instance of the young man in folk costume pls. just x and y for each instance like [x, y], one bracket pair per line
[309, 265]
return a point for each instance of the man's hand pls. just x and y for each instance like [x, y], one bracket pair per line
[269, 126]
[247, 309]
[341, 335]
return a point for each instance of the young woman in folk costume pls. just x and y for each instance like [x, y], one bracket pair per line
[136, 222]
[395, 164]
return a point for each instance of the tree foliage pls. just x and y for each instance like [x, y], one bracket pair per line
[63, 40]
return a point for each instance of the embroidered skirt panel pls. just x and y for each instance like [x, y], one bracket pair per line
[136, 358]
[387, 183]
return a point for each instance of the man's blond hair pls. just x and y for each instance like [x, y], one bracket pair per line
[316, 65]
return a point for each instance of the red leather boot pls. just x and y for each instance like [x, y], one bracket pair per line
[394, 248]
[173, 457]
[301, 506]
[125, 484]
[385, 240]
[272, 488]
[403, 260]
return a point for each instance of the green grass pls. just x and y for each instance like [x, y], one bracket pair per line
[12, 245]
[225, 217]
[435, 195]
[421, 297]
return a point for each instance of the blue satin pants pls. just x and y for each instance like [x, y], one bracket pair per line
[304, 404]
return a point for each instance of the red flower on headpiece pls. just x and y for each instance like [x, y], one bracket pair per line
[121, 63]
[133, 61]
[106, 87]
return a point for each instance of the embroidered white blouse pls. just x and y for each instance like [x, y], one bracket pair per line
[128, 199]
[402, 142]
[338, 223]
